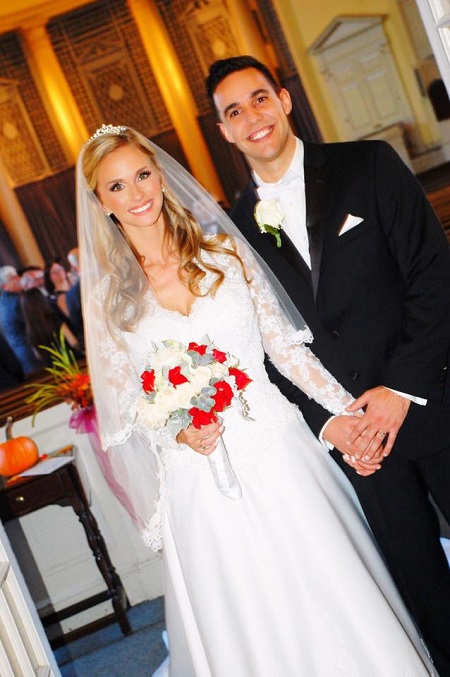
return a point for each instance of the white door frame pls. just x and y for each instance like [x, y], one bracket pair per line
[436, 19]
[24, 648]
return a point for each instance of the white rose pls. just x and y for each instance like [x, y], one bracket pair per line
[201, 377]
[269, 213]
[167, 399]
[169, 356]
[185, 392]
[218, 370]
[153, 416]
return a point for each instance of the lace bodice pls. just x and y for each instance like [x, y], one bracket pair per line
[245, 320]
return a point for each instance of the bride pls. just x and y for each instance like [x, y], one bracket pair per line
[286, 579]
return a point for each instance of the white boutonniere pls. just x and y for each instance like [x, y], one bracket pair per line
[269, 216]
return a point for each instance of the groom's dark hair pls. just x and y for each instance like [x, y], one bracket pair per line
[219, 70]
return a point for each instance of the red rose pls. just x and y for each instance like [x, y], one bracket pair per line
[201, 350]
[175, 377]
[200, 417]
[148, 381]
[223, 396]
[242, 380]
[219, 356]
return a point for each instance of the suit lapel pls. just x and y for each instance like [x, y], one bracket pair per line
[291, 254]
[315, 194]
[315, 187]
[288, 251]
[285, 262]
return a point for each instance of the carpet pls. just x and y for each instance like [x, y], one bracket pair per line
[107, 653]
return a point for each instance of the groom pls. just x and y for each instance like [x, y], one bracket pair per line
[365, 259]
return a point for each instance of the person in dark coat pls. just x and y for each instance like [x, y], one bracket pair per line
[12, 323]
[11, 372]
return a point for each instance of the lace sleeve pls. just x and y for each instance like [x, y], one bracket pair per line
[286, 346]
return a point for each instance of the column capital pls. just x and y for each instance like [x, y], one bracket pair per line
[34, 24]
[16, 223]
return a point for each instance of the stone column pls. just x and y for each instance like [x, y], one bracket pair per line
[247, 32]
[54, 89]
[175, 92]
[16, 224]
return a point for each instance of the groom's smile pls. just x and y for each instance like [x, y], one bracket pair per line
[261, 134]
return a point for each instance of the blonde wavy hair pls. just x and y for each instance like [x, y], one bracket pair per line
[124, 297]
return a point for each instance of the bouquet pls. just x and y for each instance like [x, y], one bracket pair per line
[184, 385]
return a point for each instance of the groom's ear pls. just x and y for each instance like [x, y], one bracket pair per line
[225, 133]
[286, 100]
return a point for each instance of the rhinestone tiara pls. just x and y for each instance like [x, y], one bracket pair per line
[108, 129]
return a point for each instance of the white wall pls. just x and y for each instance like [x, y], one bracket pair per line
[60, 569]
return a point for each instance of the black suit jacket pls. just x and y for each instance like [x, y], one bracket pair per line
[378, 297]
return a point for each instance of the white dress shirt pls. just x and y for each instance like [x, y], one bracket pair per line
[290, 193]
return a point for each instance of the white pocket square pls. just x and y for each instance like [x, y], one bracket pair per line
[349, 223]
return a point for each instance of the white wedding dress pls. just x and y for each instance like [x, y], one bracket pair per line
[286, 581]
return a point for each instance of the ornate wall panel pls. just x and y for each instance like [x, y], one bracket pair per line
[274, 33]
[200, 31]
[101, 54]
[28, 144]
[302, 114]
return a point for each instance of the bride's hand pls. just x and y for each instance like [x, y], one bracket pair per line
[203, 440]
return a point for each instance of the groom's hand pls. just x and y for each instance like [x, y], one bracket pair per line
[337, 432]
[383, 418]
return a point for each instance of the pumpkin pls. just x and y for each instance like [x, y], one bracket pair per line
[17, 453]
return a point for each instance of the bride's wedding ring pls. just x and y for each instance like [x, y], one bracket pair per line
[380, 432]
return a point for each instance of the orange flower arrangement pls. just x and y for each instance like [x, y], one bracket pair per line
[69, 385]
[76, 389]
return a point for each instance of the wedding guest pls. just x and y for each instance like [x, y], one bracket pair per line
[12, 323]
[365, 259]
[73, 303]
[57, 284]
[31, 277]
[295, 546]
[43, 323]
[73, 296]
[74, 263]
[11, 372]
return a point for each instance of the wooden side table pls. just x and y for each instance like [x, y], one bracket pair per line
[63, 487]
